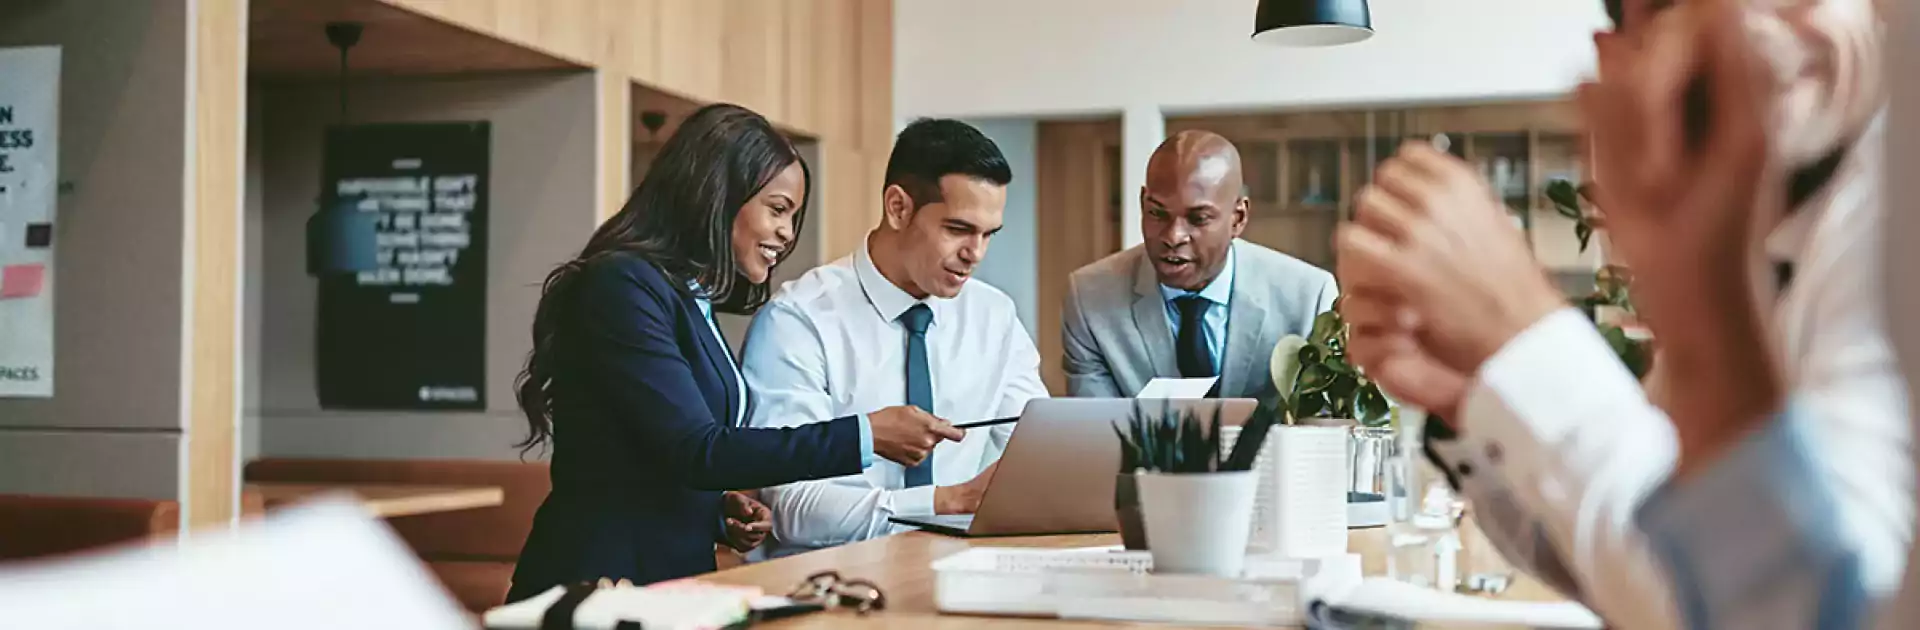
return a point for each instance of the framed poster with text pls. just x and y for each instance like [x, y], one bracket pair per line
[29, 191]
[409, 333]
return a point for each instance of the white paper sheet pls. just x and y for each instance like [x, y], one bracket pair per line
[324, 565]
[1407, 601]
[1177, 388]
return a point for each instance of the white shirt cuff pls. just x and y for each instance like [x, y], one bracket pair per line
[913, 501]
[1545, 383]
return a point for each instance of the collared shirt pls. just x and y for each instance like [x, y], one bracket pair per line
[1559, 446]
[1753, 541]
[740, 382]
[706, 311]
[1219, 291]
[830, 344]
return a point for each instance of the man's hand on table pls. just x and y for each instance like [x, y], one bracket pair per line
[963, 498]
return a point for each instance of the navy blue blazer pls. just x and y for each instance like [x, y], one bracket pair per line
[643, 442]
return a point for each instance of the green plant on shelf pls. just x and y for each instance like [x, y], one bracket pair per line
[1612, 284]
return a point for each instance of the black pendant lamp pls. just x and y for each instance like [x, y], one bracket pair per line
[342, 240]
[1311, 22]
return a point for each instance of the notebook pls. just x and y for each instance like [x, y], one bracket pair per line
[676, 605]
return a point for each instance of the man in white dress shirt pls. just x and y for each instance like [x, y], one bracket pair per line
[899, 322]
[1573, 471]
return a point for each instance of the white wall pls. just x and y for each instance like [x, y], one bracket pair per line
[114, 425]
[1025, 58]
[1013, 258]
[541, 211]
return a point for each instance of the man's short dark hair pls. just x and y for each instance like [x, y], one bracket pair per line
[932, 148]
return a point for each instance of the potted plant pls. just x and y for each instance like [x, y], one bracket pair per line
[1323, 401]
[1195, 502]
[1609, 306]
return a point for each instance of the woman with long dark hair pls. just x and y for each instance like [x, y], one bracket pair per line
[631, 383]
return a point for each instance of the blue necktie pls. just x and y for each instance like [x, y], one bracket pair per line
[919, 381]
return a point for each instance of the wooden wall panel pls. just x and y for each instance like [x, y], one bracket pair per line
[218, 58]
[875, 91]
[692, 35]
[843, 193]
[634, 39]
[753, 59]
[614, 95]
[803, 59]
[837, 95]
[822, 68]
[1074, 182]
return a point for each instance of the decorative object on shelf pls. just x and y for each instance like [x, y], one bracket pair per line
[1312, 23]
[1316, 187]
[1195, 504]
[1610, 304]
[1313, 174]
[653, 120]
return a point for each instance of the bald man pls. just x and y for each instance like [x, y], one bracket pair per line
[1194, 300]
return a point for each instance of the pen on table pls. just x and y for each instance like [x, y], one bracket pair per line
[987, 423]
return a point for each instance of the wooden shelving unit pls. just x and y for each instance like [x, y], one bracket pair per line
[1303, 168]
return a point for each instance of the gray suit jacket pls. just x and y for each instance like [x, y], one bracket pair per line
[1117, 336]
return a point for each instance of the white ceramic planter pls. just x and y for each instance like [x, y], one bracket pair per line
[1197, 523]
[1300, 507]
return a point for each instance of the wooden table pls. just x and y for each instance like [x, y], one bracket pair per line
[385, 500]
[900, 565]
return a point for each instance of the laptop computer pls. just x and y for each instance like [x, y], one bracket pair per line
[1056, 476]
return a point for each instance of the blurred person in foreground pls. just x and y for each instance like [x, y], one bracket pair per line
[1727, 133]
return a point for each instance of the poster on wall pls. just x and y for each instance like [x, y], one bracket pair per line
[29, 183]
[409, 332]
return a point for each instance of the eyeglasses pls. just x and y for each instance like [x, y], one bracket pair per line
[828, 589]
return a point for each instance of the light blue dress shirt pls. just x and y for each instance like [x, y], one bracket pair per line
[740, 382]
[1752, 542]
[1220, 293]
